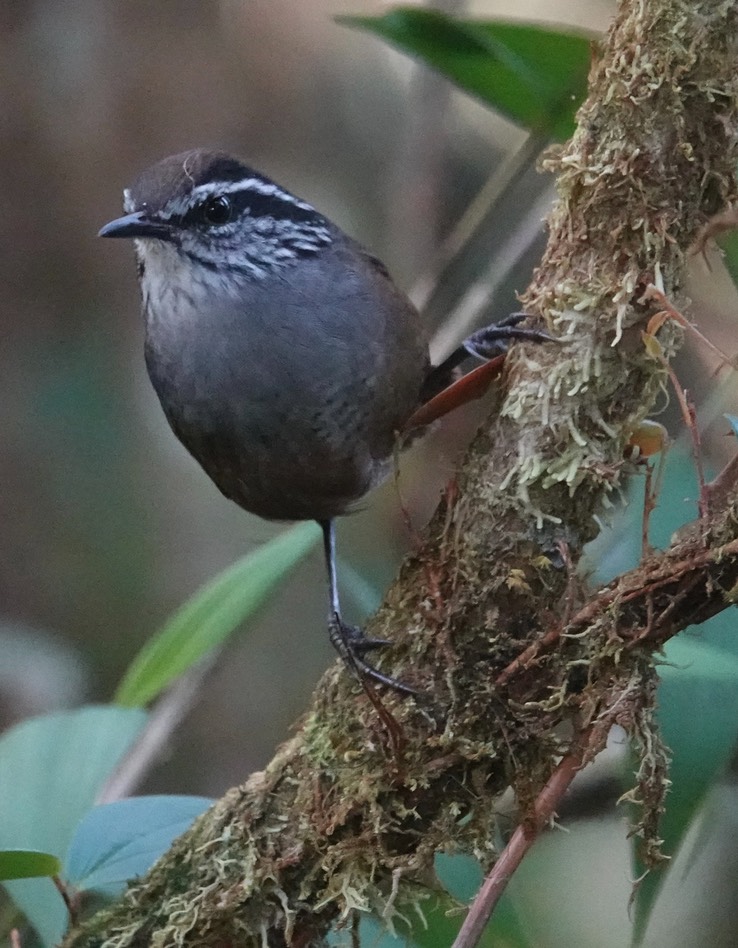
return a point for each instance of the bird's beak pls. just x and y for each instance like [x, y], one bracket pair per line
[137, 225]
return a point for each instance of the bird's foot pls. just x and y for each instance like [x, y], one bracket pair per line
[494, 340]
[351, 644]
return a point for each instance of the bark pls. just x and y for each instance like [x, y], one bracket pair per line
[350, 813]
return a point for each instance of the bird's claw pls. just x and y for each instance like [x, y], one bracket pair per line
[491, 341]
[351, 644]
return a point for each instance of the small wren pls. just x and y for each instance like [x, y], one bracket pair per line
[285, 358]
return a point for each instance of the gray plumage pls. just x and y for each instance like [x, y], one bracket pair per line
[285, 359]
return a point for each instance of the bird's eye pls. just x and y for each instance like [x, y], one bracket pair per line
[217, 211]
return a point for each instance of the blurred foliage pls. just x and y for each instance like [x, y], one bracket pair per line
[27, 864]
[52, 767]
[116, 842]
[51, 770]
[213, 614]
[534, 75]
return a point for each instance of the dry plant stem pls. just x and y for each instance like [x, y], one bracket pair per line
[478, 214]
[336, 823]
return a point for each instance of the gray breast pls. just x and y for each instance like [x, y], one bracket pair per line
[288, 390]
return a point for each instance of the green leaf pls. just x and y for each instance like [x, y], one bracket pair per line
[118, 841]
[534, 75]
[213, 614]
[51, 769]
[27, 864]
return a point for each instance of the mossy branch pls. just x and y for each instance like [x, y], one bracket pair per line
[347, 817]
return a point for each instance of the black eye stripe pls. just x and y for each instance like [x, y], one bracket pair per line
[269, 205]
[259, 207]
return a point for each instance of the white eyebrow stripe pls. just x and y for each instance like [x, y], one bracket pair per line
[257, 185]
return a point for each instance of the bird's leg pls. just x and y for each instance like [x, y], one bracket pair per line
[485, 344]
[348, 640]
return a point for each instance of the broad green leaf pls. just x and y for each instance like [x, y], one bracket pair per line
[696, 906]
[213, 614]
[535, 75]
[27, 864]
[118, 841]
[51, 769]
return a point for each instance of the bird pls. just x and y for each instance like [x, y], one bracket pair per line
[285, 358]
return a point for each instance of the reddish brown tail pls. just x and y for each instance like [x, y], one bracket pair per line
[466, 389]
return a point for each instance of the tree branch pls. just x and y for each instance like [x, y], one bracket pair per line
[340, 821]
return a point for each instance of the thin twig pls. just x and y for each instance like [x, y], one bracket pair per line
[723, 484]
[164, 719]
[649, 505]
[520, 842]
[68, 900]
[480, 209]
[669, 311]
[527, 656]
[689, 565]
[660, 571]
